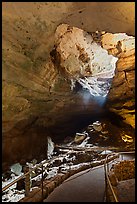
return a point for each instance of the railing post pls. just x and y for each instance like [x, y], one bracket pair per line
[27, 180]
[42, 178]
[106, 168]
[105, 182]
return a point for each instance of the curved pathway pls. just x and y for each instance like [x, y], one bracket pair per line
[86, 186]
[81, 187]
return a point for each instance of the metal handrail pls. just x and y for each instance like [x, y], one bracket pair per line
[12, 183]
[24, 175]
[106, 168]
[107, 177]
[42, 163]
[16, 180]
[37, 166]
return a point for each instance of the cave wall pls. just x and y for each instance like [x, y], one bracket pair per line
[121, 97]
[35, 97]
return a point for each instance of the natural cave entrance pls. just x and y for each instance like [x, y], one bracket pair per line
[68, 80]
[93, 90]
[89, 61]
[65, 76]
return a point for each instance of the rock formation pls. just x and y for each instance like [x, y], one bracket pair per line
[79, 57]
[121, 97]
[42, 92]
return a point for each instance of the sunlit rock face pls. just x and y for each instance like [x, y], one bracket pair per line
[95, 61]
[39, 98]
[79, 58]
[121, 98]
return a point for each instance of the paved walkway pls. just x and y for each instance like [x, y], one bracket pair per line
[86, 186]
[89, 187]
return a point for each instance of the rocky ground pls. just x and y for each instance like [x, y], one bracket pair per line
[90, 145]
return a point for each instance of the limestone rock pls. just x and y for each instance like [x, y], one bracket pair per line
[121, 98]
[16, 169]
[127, 138]
[50, 147]
[119, 44]
[97, 126]
[77, 56]
[124, 170]
[37, 94]
[79, 137]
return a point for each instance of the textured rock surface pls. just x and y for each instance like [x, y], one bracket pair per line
[79, 55]
[124, 170]
[36, 99]
[121, 98]
[79, 58]
[122, 178]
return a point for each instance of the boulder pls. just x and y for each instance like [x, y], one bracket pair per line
[79, 138]
[97, 126]
[16, 169]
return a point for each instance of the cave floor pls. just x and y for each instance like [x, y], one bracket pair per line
[92, 148]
